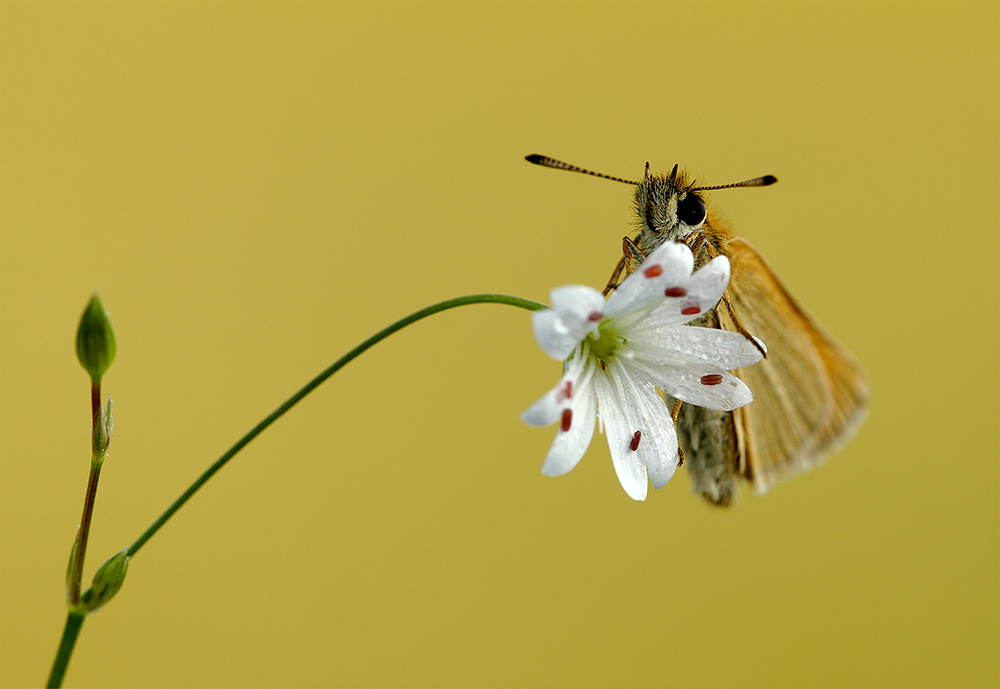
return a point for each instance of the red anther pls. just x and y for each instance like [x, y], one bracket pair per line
[634, 445]
[711, 379]
[653, 270]
[690, 310]
[567, 419]
[595, 316]
[567, 390]
[675, 292]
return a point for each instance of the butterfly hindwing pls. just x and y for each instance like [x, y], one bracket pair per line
[809, 393]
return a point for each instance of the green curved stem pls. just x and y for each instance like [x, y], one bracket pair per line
[315, 382]
[74, 620]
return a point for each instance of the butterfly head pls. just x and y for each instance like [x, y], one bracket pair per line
[668, 208]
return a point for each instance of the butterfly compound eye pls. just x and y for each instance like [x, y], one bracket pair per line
[691, 210]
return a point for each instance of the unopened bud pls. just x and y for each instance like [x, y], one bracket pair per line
[107, 581]
[95, 341]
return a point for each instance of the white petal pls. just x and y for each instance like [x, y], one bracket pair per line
[560, 329]
[646, 412]
[573, 394]
[548, 409]
[686, 384]
[711, 280]
[579, 300]
[575, 381]
[702, 292]
[553, 336]
[661, 461]
[642, 288]
[628, 466]
[686, 344]
[569, 446]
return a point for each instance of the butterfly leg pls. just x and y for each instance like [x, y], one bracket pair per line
[613, 282]
[739, 326]
[673, 415]
[694, 243]
[632, 256]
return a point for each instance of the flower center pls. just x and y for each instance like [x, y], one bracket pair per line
[606, 342]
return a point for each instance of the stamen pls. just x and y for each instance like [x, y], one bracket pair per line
[711, 379]
[567, 419]
[595, 316]
[675, 292]
[567, 390]
[653, 270]
[634, 445]
[690, 310]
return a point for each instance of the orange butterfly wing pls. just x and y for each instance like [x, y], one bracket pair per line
[810, 393]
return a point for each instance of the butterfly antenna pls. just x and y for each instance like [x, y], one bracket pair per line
[756, 182]
[545, 161]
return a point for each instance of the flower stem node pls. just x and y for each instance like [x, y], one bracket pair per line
[107, 581]
[74, 553]
[102, 435]
[619, 352]
[95, 340]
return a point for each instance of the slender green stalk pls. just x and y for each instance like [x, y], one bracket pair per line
[74, 620]
[315, 382]
[76, 573]
[76, 617]
[95, 348]
[77, 613]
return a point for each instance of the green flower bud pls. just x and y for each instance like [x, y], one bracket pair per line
[109, 578]
[95, 341]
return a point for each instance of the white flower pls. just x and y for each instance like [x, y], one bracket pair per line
[617, 352]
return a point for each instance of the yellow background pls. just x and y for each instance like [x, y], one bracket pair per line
[255, 188]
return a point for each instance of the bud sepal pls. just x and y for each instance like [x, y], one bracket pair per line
[107, 581]
[102, 433]
[74, 553]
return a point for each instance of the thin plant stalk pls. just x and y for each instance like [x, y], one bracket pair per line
[75, 618]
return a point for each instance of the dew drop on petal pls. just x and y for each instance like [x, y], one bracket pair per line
[567, 419]
[675, 292]
[711, 379]
[690, 310]
[653, 270]
[634, 445]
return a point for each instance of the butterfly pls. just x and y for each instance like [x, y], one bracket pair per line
[810, 392]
